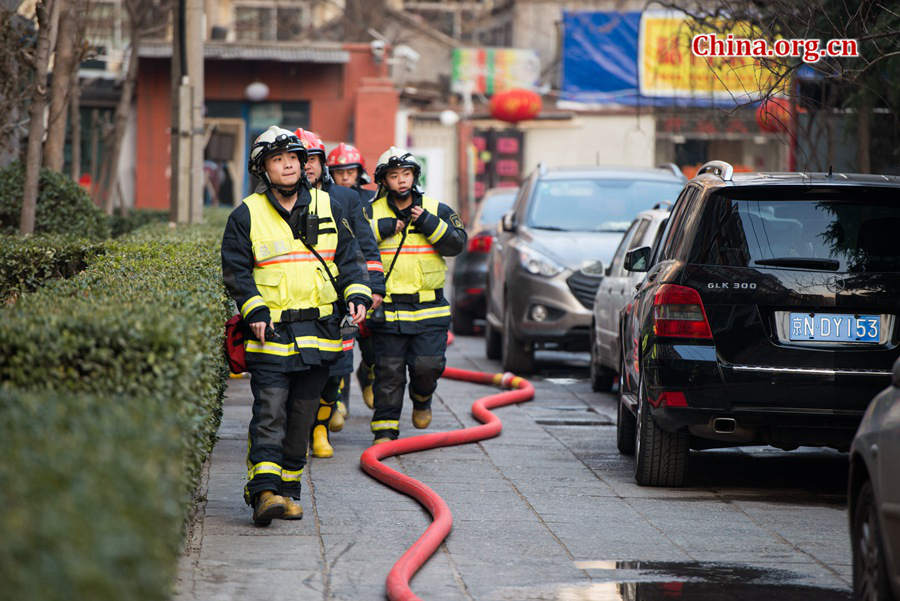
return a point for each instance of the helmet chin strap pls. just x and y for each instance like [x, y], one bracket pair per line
[286, 191]
[401, 195]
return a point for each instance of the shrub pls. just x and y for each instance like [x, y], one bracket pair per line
[87, 506]
[26, 263]
[139, 332]
[123, 222]
[62, 206]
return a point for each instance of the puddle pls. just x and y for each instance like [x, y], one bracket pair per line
[678, 581]
[696, 591]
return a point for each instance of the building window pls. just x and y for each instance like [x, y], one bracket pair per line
[269, 23]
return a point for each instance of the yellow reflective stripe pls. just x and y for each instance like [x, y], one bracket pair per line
[417, 315]
[292, 475]
[264, 467]
[269, 348]
[386, 424]
[360, 289]
[323, 344]
[439, 231]
[252, 303]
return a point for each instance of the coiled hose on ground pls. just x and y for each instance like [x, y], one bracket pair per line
[398, 578]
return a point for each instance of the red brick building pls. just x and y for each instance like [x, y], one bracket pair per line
[337, 90]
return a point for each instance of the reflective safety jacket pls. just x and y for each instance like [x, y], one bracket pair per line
[355, 207]
[272, 275]
[415, 287]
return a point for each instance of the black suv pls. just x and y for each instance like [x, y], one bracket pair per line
[768, 315]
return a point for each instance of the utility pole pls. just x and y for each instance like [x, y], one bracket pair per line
[194, 50]
[187, 112]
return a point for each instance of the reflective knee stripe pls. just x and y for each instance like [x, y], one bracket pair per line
[439, 231]
[252, 303]
[386, 424]
[264, 467]
[292, 475]
[419, 398]
[421, 314]
[269, 348]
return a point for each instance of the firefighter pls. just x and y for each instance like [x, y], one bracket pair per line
[414, 234]
[332, 410]
[289, 262]
[347, 167]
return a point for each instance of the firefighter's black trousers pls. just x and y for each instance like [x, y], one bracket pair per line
[423, 354]
[284, 408]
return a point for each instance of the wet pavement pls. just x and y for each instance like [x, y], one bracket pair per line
[548, 510]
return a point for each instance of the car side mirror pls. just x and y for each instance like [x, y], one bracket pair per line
[508, 222]
[638, 259]
[897, 373]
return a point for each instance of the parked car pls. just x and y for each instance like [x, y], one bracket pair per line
[768, 315]
[614, 292]
[874, 497]
[548, 258]
[470, 266]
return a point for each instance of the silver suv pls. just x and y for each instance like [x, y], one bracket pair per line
[549, 255]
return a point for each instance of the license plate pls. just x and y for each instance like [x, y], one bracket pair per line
[835, 327]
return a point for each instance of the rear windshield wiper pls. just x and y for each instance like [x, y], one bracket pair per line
[804, 262]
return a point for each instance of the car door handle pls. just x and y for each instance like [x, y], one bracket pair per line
[874, 450]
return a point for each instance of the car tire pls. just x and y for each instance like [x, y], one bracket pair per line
[870, 579]
[514, 356]
[660, 457]
[602, 377]
[463, 322]
[492, 342]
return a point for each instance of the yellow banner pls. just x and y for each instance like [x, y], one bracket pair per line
[667, 67]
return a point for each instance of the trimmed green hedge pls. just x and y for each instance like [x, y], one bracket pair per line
[26, 263]
[63, 207]
[122, 223]
[135, 343]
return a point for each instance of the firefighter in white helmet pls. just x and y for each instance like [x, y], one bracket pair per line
[289, 260]
[414, 234]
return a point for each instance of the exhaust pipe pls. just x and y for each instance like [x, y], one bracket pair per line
[724, 425]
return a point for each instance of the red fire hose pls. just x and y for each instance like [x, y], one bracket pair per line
[398, 578]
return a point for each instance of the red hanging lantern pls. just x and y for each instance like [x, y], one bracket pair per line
[515, 105]
[774, 115]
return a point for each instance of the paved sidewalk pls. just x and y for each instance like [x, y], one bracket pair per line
[530, 517]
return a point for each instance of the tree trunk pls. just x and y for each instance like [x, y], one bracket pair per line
[75, 119]
[864, 137]
[123, 110]
[47, 21]
[61, 87]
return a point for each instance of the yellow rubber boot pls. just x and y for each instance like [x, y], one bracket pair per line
[421, 418]
[321, 447]
[336, 423]
[269, 506]
[292, 510]
[366, 376]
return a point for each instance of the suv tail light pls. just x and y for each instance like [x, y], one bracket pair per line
[678, 312]
[481, 243]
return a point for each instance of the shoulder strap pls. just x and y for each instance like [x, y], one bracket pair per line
[394, 260]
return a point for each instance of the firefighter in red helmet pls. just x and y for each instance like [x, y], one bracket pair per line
[332, 408]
